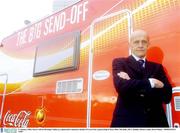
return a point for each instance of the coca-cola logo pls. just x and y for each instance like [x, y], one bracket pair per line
[20, 119]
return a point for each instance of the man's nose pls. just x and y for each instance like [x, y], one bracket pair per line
[141, 44]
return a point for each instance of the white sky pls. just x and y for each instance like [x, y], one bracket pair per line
[14, 12]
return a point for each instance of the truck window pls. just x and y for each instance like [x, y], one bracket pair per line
[57, 54]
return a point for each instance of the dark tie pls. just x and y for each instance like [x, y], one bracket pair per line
[141, 63]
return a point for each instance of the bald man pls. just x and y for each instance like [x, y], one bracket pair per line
[142, 87]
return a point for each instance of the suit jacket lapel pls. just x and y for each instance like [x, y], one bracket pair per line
[148, 69]
[132, 63]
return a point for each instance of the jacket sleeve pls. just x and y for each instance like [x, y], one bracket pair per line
[130, 87]
[165, 93]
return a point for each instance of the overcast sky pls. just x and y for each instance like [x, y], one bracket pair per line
[14, 12]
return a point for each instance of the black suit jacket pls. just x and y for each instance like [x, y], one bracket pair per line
[139, 105]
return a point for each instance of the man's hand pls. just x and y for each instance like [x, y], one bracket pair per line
[123, 75]
[157, 83]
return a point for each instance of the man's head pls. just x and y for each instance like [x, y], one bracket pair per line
[139, 43]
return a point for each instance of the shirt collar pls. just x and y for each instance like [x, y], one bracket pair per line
[137, 58]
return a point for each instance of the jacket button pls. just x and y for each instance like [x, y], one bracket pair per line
[147, 110]
[141, 95]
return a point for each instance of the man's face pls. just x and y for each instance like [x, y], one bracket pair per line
[139, 44]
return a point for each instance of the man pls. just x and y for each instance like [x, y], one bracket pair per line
[142, 87]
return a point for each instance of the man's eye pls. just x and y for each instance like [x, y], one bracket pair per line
[136, 42]
[144, 42]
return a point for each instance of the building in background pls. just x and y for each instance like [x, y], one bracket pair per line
[61, 4]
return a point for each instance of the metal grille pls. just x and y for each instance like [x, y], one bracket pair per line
[177, 103]
[69, 86]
